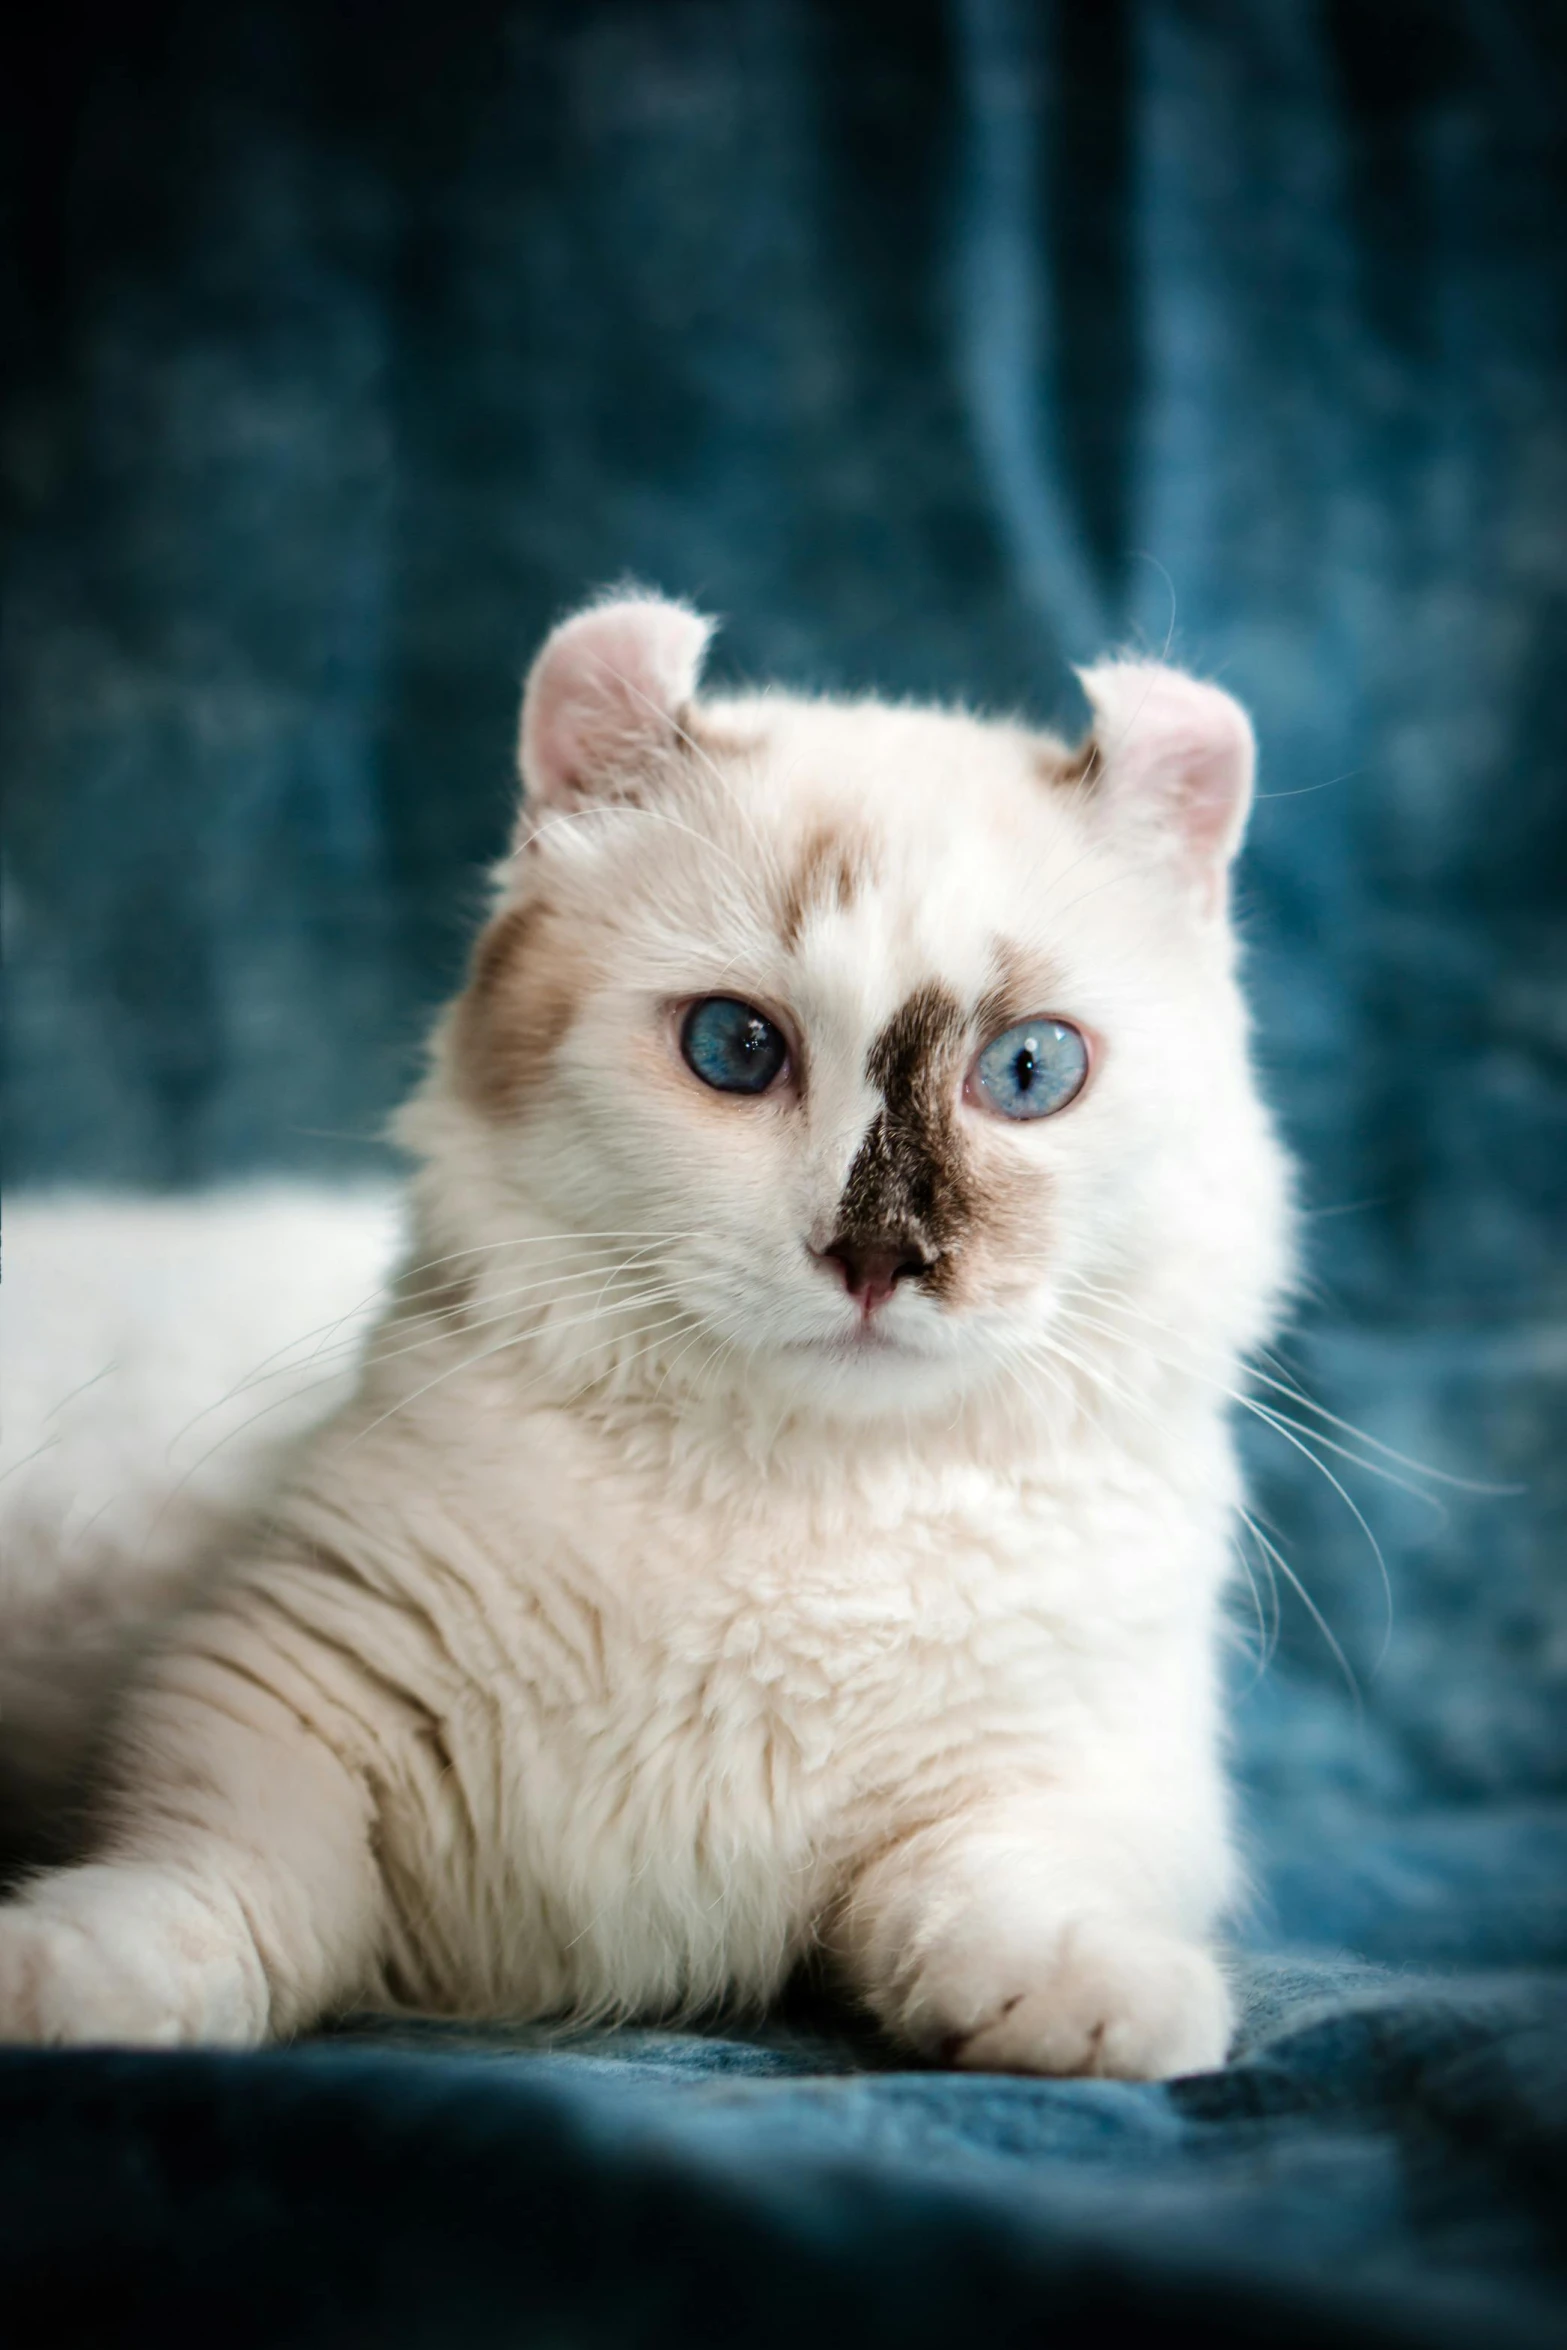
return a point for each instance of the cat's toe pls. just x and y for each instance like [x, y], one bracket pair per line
[1113, 2002]
[59, 1987]
[90, 1962]
[25, 1971]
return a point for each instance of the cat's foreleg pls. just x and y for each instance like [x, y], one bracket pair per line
[1032, 1939]
[236, 1895]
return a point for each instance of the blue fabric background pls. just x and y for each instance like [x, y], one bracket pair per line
[936, 347]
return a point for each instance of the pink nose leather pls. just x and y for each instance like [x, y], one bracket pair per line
[871, 1274]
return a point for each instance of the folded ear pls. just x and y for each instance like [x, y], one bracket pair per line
[1175, 758]
[603, 698]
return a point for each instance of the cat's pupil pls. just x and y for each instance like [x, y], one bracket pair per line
[1034, 1068]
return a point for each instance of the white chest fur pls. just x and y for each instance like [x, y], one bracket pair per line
[652, 1707]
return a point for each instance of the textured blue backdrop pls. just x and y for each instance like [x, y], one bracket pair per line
[936, 348]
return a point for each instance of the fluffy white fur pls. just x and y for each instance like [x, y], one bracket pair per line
[160, 1360]
[653, 1615]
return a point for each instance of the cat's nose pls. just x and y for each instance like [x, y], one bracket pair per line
[871, 1270]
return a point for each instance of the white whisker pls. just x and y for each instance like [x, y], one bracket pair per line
[350, 1349]
[471, 1362]
[1287, 1429]
[1276, 1556]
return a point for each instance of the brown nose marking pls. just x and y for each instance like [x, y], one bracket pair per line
[908, 1188]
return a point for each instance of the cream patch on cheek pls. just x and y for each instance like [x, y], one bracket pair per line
[707, 1163]
[1007, 1244]
[524, 986]
[1014, 1200]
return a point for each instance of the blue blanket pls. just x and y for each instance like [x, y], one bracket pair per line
[1384, 2161]
[938, 346]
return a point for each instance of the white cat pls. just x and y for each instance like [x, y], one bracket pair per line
[787, 1506]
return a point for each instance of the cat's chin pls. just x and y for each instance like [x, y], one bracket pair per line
[859, 1374]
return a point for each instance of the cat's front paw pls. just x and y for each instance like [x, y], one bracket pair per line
[118, 1957]
[1110, 1999]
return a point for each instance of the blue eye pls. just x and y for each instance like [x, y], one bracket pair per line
[1034, 1068]
[731, 1046]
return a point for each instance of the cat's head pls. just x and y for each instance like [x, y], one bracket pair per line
[878, 1047]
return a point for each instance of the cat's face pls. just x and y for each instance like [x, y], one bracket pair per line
[868, 1044]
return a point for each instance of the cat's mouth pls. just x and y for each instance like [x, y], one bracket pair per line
[862, 1338]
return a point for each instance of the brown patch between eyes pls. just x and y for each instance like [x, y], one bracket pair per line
[916, 1182]
[908, 1187]
[832, 867]
[522, 992]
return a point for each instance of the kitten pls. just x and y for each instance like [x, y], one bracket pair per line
[786, 1507]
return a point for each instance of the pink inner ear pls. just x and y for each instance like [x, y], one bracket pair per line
[1176, 755]
[603, 694]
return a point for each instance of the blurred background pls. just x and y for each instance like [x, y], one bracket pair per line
[936, 347]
